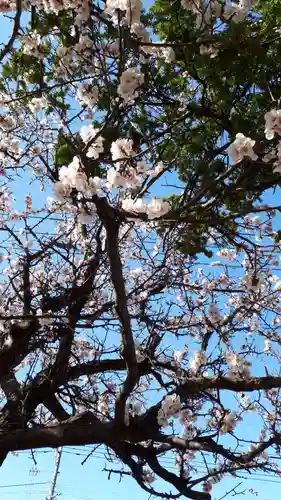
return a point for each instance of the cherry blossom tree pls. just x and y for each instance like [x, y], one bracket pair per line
[140, 297]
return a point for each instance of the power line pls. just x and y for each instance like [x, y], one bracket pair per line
[255, 476]
[169, 463]
[22, 485]
[27, 492]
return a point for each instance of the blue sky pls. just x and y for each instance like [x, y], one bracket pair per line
[85, 482]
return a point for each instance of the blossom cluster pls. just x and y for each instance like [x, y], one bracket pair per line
[230, 11]
[131, 10]
[238, 367]
[130, 81]
[170, 407]
[241, 147]
[73, 176]
[121, 176]
[92, 137]
[156, 208]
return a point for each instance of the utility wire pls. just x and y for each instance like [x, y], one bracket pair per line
[22, 485]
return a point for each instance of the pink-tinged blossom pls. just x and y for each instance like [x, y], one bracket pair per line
[147, 476]
[207, 486]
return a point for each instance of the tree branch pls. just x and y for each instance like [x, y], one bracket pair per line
[127, 341]
[15, 32]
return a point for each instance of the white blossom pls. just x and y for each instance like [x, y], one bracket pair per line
[241, 147]
[134, 205]
[198, 360]
[157, 208]
[103, 407]
[254, 281]
[38, 103]
[130, 81]
[131, 9]
[214, 313]
[158, 169]
[229, 422]
[267, 346]
[122, 148]
[87, 95]
[239, 368]
[61, 190]
[7, 122]
[90, 134]
[237, 12]
[142, 167]
[209, 50]
[191, 5]
[272, 123]
[179, 355]
[31, 44]
[170, 407]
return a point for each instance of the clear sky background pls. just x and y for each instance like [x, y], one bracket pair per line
[22, 478]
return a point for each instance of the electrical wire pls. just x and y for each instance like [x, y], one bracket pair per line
[169, 463]
[23, 485]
